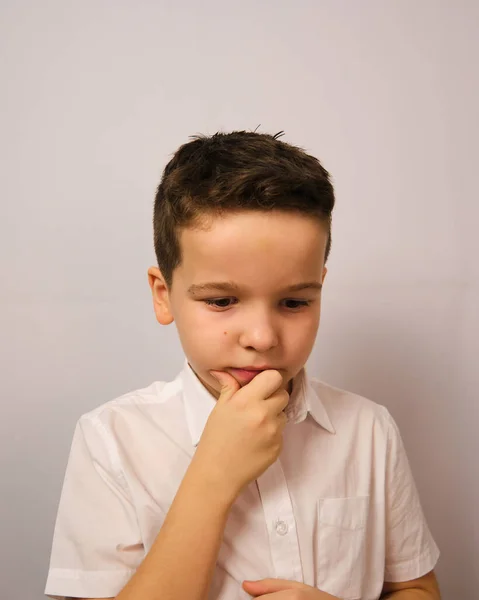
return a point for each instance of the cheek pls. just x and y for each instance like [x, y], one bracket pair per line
[197, 329]
[207, 335]
[301, 337]
[196, 317]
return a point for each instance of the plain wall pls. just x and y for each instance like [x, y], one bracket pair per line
[96, 96]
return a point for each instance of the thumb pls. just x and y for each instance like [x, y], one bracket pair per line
[229, 385]
[269, 586]
[260, 587]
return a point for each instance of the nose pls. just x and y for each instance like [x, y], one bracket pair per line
[259, 333]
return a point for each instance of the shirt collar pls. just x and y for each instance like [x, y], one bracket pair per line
[199, 402]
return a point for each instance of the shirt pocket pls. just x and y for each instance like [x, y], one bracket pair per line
[341, 545]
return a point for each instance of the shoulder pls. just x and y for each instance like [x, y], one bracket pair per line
[115, 428]
[133, 414]
[156, 394]
[346, 407]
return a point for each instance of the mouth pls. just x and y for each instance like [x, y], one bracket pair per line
[246, 375]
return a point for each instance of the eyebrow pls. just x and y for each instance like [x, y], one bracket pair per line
[230, 286]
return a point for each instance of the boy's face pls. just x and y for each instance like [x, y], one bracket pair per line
[261, 322]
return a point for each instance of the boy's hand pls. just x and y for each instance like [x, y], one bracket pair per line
[283, 589]
[243, 435]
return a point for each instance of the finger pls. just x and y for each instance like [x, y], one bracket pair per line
[283, 595]
[272, 584]
[265, 384]
[278, 402]
[229, 385]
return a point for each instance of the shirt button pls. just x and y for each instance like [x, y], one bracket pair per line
[281, 528]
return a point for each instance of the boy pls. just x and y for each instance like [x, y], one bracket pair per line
[243, 477]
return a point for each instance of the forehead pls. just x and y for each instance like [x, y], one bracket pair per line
[261, 249]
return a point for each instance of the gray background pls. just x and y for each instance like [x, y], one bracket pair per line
[95, 97]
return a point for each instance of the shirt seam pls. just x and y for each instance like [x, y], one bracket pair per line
[420, 565]
[112, 454]
[429, 553]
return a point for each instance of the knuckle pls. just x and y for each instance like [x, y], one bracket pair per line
[259, 418]
[271, 430]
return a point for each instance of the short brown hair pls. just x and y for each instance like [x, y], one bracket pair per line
[229, 172]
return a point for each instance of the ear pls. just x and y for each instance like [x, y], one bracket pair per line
[325, 270]
[161, 298]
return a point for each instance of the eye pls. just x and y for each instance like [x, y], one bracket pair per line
[220, 302]
[215, 301]
[298, 303]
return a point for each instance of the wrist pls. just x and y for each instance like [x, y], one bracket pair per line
[214, 486]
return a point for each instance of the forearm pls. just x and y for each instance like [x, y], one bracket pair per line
[182, 559]
[412, 594]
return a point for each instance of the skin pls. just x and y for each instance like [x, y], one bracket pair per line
[262, 324]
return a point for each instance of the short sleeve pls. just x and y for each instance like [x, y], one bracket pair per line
[411, 551]
[96, 542]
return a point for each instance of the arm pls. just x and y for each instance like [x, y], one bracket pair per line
[182, 559]
[241, 439]
[181, 562]
[424, 588]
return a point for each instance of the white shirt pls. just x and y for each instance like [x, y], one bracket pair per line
[338, 510]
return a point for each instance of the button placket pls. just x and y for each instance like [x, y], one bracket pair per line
[281, 525]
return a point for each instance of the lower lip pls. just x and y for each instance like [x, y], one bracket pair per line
[244, 375]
